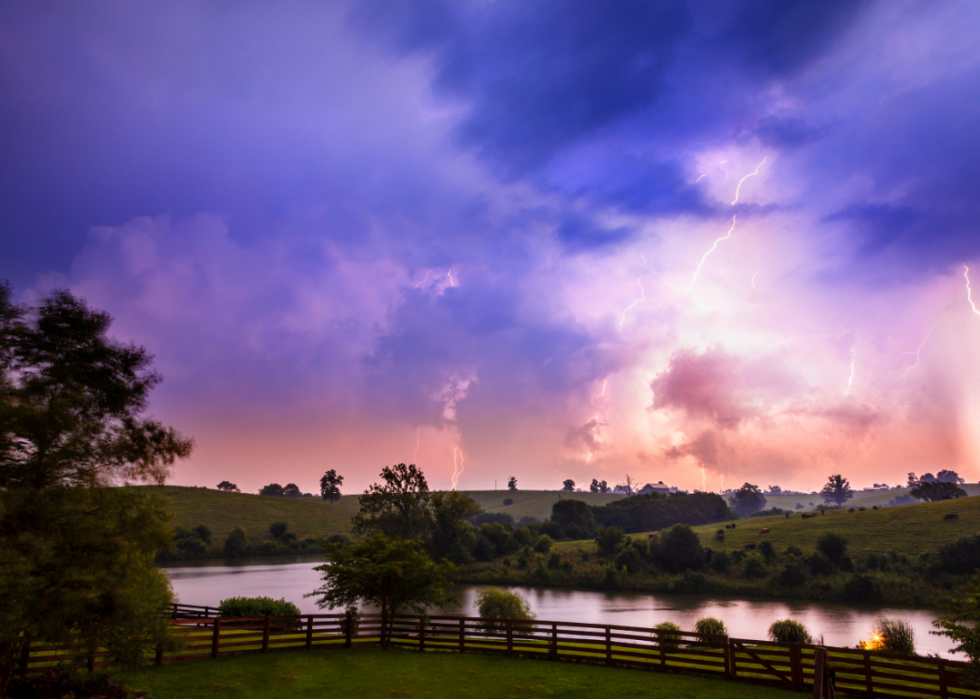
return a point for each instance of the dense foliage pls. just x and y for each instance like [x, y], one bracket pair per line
[747, 500]
[495, 605]
[646, 513]
[256, 606]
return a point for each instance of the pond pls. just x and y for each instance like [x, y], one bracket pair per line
[208, 582]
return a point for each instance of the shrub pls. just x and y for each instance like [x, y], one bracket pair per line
[710, 626]
[819, 564]
[793, 573]
[789, 631]
[720, 562]
[338, 539]
[895, 635]
[754, 567]
[277, 530]
[768, 551]
[630, 559]
[508, 501]
[692, 582]
[522, 536]
[497, 605]
[554, 561]
[237, 542]
[680, 549]
[669, 634]
[256, 606]
[609, 539]
[862, 588]
[833, 546]
[962, 556]
[552, 529]
[543, 544]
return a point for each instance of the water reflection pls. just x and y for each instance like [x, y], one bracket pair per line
[207, 583]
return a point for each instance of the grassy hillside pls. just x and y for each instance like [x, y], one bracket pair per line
[222, 512]
[861, 499]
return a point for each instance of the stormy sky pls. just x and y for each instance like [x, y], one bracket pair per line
[698, 242]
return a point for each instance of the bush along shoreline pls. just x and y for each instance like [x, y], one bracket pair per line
[675, 562]
[198, 543]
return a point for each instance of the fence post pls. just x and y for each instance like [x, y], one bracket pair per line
[173, 614]
[462, 631]
[732, 659]
[309, 632]
[796, 666]
[943, 681]
[727, 653]
[91, 660]
[608, 646]
[663, 652]
[868, 677]
[554, 641]
[422, 634]
[819, 658]
[510, 637]
[265, 635]
[159, 656]
[348, 628]
[25, 657]
[215, 639]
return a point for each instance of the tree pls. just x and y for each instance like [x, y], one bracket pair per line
[568, 486]
[451, 536]
[833, 546]
[393, 574]
[960, 622]
[330, 485]
[775, 489]
[837, 490]
[680, 549]
[498, 605]
[629, 487]
[927, 478]
[228, 487]
[271, 489]
[512, 483]
[594, 487]
[603, 487]
[937, 490]
[609, 540]
[400, 508]
[574, 517]
[946, 476]
[292, 491]
[747, 500]
[913, 481]
[76, 558]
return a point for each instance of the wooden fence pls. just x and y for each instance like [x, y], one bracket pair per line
[785, 665]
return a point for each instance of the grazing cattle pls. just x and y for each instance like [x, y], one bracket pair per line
[806, 516]
[764, 531]
[951, 515]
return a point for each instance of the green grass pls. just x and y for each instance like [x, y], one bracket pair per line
[861, 499]
[371, 672]
[222, 512]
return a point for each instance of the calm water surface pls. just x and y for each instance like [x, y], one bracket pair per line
[207, 583]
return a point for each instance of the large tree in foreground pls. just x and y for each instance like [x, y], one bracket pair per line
[400, 508]
[76, 558]
[393, 574]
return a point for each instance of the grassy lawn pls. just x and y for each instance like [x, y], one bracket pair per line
[911, 529]
[371, 672]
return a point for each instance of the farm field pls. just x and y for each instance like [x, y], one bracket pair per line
[372, 672]
[860, 499]
[533, 503]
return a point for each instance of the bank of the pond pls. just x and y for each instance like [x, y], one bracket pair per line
[371, 672]
[746, 617]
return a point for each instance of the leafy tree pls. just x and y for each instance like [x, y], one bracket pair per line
[292, 491]
[775, 489]
[833, 546]
[512, 483]
[498, 605]
[679, 549]
[654, 511]
[76, 559]
[594, 486]
[927, 478]
[913, 481]
[203, 532]
[237, 543]
[568, 486]
[609, 539]
[603, 487]
[271, 489]
[629, 486]
[789, 631]
[393, 574]
[280, 532]
[400, 508]
[747, 500]
[947, 476]
[543, 544]
[330, 485]
[574, 517]
[452, 537]
[960, 622]
[837, 490]
[933, 491]
[228, 487]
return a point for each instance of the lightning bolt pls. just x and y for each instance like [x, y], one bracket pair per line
[699, 179]
[418, 439]
[850, 379]
[704, 486]
[916, 353]
[969, 294]
[588, 458]
[753, 279]
[451, 282]
[705, 256]
[424, 280]
[621, 421]
[457, 465]
[604, 381]
[751, 174]
[643, 297]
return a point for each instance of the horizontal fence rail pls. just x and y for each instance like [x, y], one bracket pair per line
[786, 665]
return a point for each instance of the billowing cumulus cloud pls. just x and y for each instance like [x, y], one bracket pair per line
[358, 234]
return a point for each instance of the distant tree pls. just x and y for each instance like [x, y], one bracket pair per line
[452, 537]
[330, 485]
[400, 508]
[629, 487]
[512, 483]
[946, 476]
[278, 530]
[498, 605]
[609, 539]
[927, 478]
[747, 500]
[913, 481]
[203, 532]
[594, 487]
[933, 491]
[393, 574]
[228, 487]
[679, 549]
[292, 491]
[568, 486]
[775, 489]
[575, 519]
[833, 546]
[271, 489]
[603, 487]
[837, 490]
[237, 543]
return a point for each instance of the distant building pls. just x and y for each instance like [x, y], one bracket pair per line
[657, 487]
